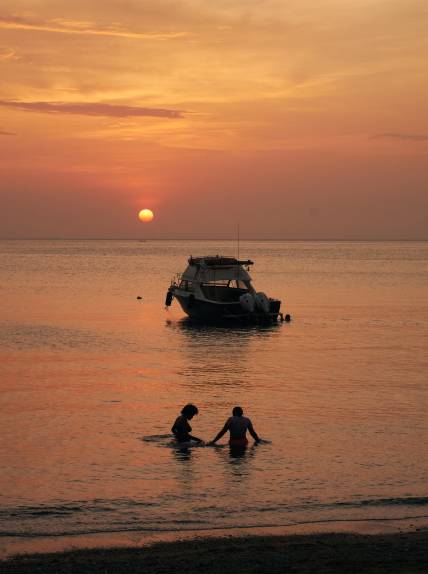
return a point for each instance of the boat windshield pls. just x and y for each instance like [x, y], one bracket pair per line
[231, 283]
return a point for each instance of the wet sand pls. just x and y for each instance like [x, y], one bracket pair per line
[399, 553]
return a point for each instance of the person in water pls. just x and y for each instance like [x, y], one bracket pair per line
[237, 425]
[181, 428]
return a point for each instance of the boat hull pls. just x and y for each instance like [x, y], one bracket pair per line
[217, 311]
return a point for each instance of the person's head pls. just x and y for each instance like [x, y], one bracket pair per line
[237, 412]
[189, 411]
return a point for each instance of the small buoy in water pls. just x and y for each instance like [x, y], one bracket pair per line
[287, 318]
[139, 297]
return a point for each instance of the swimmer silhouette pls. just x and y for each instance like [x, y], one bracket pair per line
[237, 425]
[181, 428]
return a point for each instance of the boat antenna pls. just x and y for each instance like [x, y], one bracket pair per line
[239, 267]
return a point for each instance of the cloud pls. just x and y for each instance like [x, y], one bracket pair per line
[92, 109]
[398, 136]
[8, 55]
[5, 133]
[60, 26]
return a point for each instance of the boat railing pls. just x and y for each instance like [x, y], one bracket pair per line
[176, 280]
[219, 262]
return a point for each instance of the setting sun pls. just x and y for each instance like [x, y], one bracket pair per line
[145, 215]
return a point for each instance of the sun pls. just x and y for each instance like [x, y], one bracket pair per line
[146, 215]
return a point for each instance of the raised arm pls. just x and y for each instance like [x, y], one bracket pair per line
[253, 432]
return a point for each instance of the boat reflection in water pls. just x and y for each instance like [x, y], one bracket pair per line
[219, 289]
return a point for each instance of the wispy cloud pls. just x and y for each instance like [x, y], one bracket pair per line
[399, 136]
[5, 133]
[8, 54]
[59, 26]
[92, 109]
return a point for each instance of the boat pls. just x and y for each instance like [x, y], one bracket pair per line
[219, 288]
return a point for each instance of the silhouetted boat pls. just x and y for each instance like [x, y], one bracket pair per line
[219, 289]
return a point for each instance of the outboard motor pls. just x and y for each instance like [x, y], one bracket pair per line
[262, 303]
[169, 298]
[247, 302]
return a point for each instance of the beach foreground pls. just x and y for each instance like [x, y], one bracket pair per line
[403, 553]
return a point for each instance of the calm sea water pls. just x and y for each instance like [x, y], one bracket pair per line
[92, 379]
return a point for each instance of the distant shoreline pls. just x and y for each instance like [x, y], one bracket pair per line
[322, 553]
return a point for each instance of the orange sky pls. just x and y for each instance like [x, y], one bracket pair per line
[298, 118]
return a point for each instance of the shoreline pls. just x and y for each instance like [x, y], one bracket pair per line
[321, 553]
[16, 546]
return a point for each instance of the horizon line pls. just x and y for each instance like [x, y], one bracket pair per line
[143, 239]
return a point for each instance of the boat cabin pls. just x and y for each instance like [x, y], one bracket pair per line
[218, 278]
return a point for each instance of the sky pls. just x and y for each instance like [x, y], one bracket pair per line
[297, 119]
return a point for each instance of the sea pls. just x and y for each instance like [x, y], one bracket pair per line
[94, 370]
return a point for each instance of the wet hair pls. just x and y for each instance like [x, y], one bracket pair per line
[237, 412]
[189, 410]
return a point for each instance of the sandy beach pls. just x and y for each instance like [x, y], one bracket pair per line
[399, 553]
